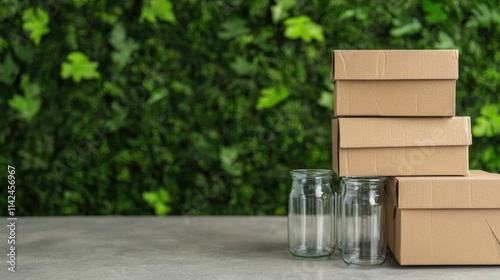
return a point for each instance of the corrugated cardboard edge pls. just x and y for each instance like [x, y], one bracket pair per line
[391, 219]
[381, 64]
[494, 226]
[335, 145]
[336, 105]
[394, 232]
[332, 80]
[476, 191]
[421, 232]
[396, 92]
[429, 131]
[444, 161]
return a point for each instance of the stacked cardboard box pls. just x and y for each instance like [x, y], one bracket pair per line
[395, 83]
[401, 146]
[444, 219]
[395, 114]
[406, 84]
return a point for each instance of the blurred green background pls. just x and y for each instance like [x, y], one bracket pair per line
[203, 107]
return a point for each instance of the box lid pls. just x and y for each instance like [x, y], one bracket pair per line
[395, 64]
[404, 132]
[478, 190]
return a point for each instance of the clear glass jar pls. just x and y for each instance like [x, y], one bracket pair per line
[311, 221]
[364, 240]
[338, 216]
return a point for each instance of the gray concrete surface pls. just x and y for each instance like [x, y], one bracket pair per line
[185, 248]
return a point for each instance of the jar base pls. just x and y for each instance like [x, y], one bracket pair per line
[365, 262]
[311, 254]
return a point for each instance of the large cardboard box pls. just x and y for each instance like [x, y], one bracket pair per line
[401, 146]
[395, 82]
[449, 220]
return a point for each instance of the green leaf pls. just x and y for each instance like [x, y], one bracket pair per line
[347, 14]
[9, 9]
[287, 4]
[123, 175]
[79, 67]
[124, 46]
[228, 156]
[445, 41]
[25, 53]
[434, 12]
[488, 124]
[3, 44]
[164, 196]
[79, 3]
[117, 36]
[472, 24]
[153, 10]
[490, 111]
[302, 27]
[29, 89]
[148, 14]
[158, 200]
[27, 105]
[150, 197]
[161, 209]
[326, 100]
[280, 10]
[157, 95]
[271, 96]
[122, 57]
[233, 28]
[243, 67]
[360, 14]
[277, 12]
[8, 70]
[36, 21]
[489, 154]
[182, 88]
[483, 16]
[405, 27]
[118, 120]
[164, 10]
[481, 127]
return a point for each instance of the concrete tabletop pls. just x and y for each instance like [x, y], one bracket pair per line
[185, 248]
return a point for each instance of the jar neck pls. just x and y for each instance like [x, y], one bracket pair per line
[313, 183]
[364, 183]
[312, 187]
[311, 175]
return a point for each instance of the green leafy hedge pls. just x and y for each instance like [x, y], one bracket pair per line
[203, 107]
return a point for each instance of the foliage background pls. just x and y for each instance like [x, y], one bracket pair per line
[203, 107]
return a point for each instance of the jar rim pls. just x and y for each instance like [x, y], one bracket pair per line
[310, 173]
[364, 179]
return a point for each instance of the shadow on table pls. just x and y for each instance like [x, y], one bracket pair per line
[391, 261]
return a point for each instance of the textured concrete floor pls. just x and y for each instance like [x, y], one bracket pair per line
[185, 248]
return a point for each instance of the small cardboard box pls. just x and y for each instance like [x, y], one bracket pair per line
[401, 146]
[395, 82]
[449, 220]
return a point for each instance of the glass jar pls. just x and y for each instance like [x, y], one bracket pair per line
[364, 240]
[311, 214]
[338, 216]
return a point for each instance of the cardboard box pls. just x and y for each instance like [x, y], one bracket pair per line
[395, 82]
[401, 146]
[395, 98]
[444, 220]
